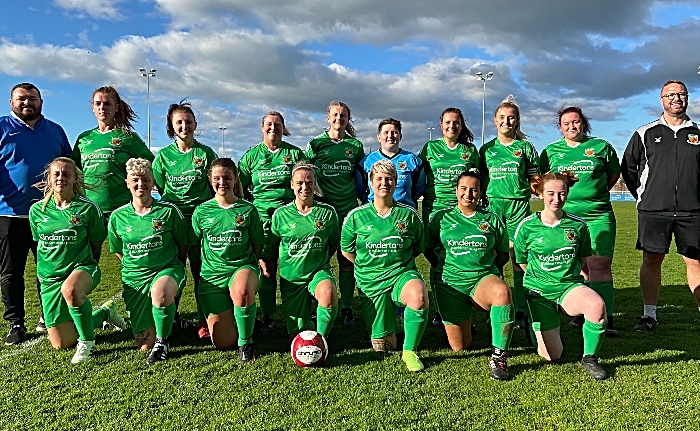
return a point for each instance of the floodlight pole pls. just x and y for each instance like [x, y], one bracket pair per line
[488, 77]
[148, 75]
[223, 130]
[430, 133]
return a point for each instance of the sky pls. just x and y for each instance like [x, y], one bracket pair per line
[235, 60]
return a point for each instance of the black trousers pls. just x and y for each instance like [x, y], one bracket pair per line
[15, 243]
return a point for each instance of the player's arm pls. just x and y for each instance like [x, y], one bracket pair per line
[96, 249]
[182, 253]
[418, 182]
[432, 241]
[544, 162]
[501, 260]
[532, 161]
[113, 239]
[612, 166]
[361, 183]
[520, 249]
[159, 173]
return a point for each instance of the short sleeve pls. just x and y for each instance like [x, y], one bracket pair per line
[544, 162]
[419, 235]
[179, 227]
[196, 228]
[584, 248]
[612, 162]
[348, 235]
[96, 226]
[139, 148]
[520, 246]
[159, 172]
[115, 241]
[256, 233]
[334, 238]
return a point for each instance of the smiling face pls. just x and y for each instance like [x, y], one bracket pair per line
[506, 121]
[222, 180]
[468, 193]
[303, 184]
[554, 195]
[676, 106]
[451, 126]
[389, 138]
[104, 107]
[272, 129]
[184, 126]
[140, 185]
[26, 104]
[62, 177]
[383, 185]
[571, 126]
[338, 118]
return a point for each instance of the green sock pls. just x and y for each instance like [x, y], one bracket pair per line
[99, 316]
[593, 336]
[431, 279]
[267, 292]
[245, 323]
[163, 318]
[414, 323]
[519, 291]
[200, 311]
[502, 319]
[82, 317]
[346, 284]
[607, 292]
[325, 317]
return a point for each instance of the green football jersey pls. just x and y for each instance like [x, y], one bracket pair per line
[149, 242]
[552, 253]
[304, 239]
[102, 158]
[270, 174]
[64, 236]
[385, 247]
[182, 177]
[593, 161]
[442, 166]
[507, 168]
[336, 162]
[465, 243]
[227, 235]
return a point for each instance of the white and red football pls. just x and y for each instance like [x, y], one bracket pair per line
[309, 349]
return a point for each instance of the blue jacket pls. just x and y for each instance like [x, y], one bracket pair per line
[24, 154]
[411, 181]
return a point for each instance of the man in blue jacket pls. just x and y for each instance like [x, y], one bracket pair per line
[28, 142]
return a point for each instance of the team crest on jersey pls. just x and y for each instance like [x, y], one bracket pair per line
[319, 224]
[402, 165]
[286, 160]
[75, 219]
[589, 152]
[348, 152]
[484, 226]
[693, 140]
[570, 235]
[465, 155]
[240, 219]
[157, 224]
[517, 153]
[116, 142]
[198, 161]
[401, 226]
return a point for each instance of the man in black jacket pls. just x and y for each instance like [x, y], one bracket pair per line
[661, 168]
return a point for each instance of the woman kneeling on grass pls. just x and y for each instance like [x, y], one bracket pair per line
[150, 239]
[69, 230]
[551, 246]
[382, 238]
[231, 236]
[468, 246]
[307, 234]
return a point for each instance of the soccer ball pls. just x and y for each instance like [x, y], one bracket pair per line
[309, 349]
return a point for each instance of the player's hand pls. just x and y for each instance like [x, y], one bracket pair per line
[263, 268]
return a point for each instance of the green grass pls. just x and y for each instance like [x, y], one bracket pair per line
[654, 377]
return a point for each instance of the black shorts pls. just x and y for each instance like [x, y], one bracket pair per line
[654, 233]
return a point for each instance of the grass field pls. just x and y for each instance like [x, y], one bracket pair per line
[653, 385]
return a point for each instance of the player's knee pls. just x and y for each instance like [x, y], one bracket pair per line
[652, 259]
[70, 293]
[501, 295]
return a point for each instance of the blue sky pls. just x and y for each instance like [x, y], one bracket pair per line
[236, 60]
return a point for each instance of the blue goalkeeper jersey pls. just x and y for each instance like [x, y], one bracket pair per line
[410, 184]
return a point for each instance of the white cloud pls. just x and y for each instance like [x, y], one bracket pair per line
[100, 9]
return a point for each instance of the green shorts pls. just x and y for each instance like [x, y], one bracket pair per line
[380, 309]
[138, 297]
[53, 304]
[544, 308]
[268, 251]
[454, 300]
[215, 299]
[296, 299]
[603, 232]
[511, 211]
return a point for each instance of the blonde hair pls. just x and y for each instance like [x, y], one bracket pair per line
[539, 180]
[509, 102]
[383, 167]
[138, 166]
[47, 188]
[227, 163]
[303, 165]
[285, 132]
[349, 129]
